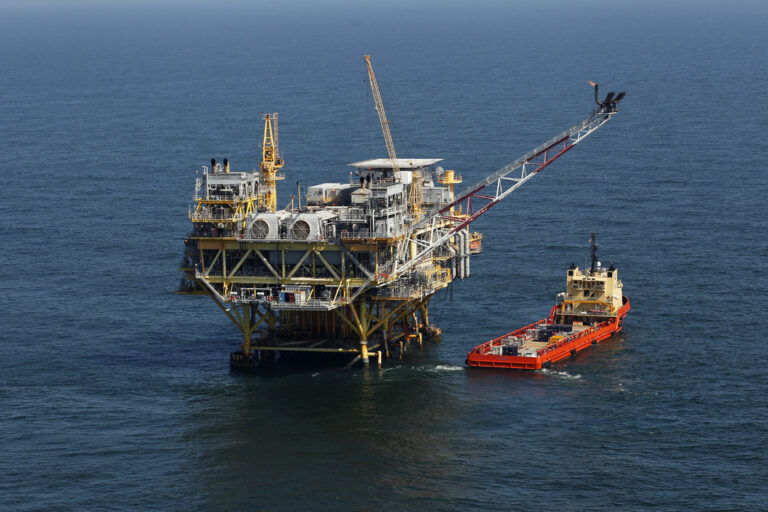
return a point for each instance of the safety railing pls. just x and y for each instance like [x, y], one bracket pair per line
[571, 338]
[309, 304]
[206, 216]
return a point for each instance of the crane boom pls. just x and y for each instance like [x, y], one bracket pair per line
[528, 166]
[382, 118]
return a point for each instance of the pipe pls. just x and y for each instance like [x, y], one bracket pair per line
[454, 263]
[466, 253]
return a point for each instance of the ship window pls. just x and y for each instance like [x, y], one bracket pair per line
[570, 272]
[610, 274]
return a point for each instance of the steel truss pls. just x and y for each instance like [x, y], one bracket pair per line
[366, 325]
[527, 166]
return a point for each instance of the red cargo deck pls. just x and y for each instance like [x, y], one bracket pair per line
[535, 354]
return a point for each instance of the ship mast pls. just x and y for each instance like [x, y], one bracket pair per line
[594, 246]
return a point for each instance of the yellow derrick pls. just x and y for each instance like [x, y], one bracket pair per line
[270, 163]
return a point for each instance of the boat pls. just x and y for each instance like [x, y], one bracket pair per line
[475, 242]
[592, 309]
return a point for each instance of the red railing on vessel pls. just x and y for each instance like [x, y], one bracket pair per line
[622, 311]
[569, 339]
[486, 347]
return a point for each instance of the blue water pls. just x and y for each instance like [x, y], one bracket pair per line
[115, 394]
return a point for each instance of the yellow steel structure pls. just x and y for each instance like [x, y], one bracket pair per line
[354, 319]
[270, 164]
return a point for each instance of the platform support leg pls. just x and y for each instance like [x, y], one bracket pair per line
[364, 352]
[271, 323]
[425, 312]
[247, 322]
[386, 338]
[362, 322]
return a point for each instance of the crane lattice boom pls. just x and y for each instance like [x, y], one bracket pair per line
[528, 166]
[383, 118]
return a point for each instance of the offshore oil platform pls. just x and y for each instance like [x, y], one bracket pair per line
[351, 267]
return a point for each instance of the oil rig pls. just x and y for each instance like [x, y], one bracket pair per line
[350, 268]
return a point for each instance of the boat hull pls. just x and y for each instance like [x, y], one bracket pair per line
[481, 356]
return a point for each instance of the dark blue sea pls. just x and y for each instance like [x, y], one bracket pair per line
[116, 394]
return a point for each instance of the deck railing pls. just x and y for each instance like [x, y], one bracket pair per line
[569, 339]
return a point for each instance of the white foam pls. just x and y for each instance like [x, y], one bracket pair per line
[439, 368]
[561, 374]
[448, 368]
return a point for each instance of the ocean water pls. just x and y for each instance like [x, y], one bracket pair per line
[115, 394]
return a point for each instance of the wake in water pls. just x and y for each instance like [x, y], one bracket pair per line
[431, 368]
[448, 368]
[561, 374]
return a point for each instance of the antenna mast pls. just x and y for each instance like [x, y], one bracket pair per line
[594, 246]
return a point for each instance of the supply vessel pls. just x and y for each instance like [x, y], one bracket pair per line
[348, 269]
[591, 309]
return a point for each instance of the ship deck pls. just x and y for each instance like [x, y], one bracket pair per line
[530, 344]
[544, 342]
